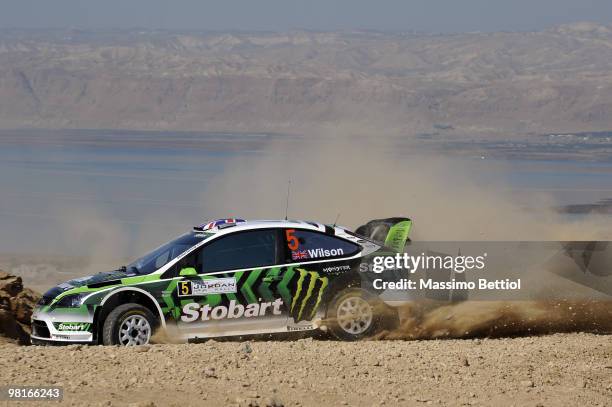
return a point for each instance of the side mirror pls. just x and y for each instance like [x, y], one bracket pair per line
[188, 271]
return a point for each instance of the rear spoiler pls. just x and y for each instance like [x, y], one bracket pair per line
[391, 232]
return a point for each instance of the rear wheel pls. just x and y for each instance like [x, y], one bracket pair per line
[129, 325]
[355, 314]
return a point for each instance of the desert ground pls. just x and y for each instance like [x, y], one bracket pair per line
[554, 370]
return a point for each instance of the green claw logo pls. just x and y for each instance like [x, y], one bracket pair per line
[305, 302]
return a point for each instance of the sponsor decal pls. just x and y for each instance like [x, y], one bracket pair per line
[204, 312]
[220, 222]
[308, 295]
[300, 328]
[293, 242]
[191, 288]
[299, 255]
[72, 326]
[336, 268]
[60, 337]
[301, 292]
[314, 253]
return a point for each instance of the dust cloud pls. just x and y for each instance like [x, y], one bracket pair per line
[106, 239]
[362, 178]
[473, 319]
[91, 240]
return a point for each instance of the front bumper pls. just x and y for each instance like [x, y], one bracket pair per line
[67, 326]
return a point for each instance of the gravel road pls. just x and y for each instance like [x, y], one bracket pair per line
[555, 370]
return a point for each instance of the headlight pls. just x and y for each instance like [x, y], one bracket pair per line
[71, 301]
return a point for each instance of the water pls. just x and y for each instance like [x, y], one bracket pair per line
[140, 181]
[133, 180]
[569, 182]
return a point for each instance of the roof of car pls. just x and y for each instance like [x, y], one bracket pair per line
[222, 227]
[242, 224]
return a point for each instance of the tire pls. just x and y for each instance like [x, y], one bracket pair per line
[355, 314]
[129, 325]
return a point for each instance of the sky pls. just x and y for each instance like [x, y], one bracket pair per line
[281, 15]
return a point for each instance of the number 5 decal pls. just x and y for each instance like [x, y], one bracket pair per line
[184, 288]
[292, 241]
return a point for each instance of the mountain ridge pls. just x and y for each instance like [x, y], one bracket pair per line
[556, 80]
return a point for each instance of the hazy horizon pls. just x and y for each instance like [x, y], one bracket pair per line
[441, 16]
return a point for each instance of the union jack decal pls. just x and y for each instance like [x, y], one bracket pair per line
[299, 254]
[219, 222]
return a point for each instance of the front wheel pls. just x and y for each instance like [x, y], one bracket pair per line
[129, 325]
[355, 314]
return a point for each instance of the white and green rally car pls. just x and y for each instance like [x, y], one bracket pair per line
[230, 277]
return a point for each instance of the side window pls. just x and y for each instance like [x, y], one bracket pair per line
[305, 245]
[242, 250]
[193, 259]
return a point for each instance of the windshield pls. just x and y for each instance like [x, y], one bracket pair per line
[164, 254]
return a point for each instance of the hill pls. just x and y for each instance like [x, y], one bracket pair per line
[557, 80]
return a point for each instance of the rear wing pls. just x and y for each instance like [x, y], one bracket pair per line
[391, 232]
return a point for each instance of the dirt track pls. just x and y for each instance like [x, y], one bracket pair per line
[556, 370]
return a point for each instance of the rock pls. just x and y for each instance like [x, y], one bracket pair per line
[527, 383]
[12, 285]
[22, 308]
[465, 362]
[210, 372]
[143, 404]
[10, 328]
[242, 402]
[30, 296]
[246, 348]
[273, 402]
[5, 301]
[16, 304]
[142, 348]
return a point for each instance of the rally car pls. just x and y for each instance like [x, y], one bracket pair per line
[230, 277]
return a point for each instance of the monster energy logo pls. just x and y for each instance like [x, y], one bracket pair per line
[308, 294]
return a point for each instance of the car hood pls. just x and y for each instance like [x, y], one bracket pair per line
[88, 280]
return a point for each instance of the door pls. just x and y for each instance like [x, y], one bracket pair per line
[229, 286]
[315, 259]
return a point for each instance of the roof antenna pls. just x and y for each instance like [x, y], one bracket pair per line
[337, 218]
[287, 204]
